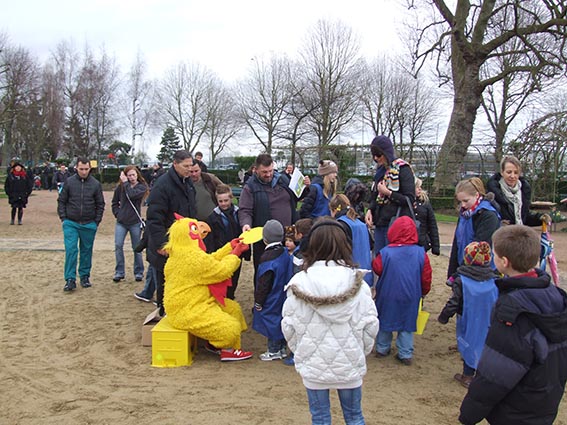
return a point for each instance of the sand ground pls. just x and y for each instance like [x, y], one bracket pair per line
[77, 359]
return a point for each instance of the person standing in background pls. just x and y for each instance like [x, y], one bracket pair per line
[18, 186]
[428, 231]
[513, 194]
[205, 188]
[60, 177]
[126, 208]
[199, 160]
[80, 207]
[321, 190]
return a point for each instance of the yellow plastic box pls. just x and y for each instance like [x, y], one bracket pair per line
[171, 347]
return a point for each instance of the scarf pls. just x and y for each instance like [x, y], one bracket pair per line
[391, 178]
[514, 196]
[20, 174]
[469, 213]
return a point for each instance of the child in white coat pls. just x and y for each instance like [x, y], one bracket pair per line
[330, 322]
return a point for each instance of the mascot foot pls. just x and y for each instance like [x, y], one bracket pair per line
[232, 355]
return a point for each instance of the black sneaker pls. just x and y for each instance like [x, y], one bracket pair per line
[139, 278]
[118, 278]
[70, 285]
[85, 282]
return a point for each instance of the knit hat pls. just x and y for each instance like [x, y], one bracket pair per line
[477, 254]
[326, 167]
[384, 146]
[273, 231]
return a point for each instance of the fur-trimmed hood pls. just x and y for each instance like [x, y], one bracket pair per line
[333, 301]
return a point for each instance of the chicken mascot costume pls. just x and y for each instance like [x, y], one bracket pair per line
[195, 289]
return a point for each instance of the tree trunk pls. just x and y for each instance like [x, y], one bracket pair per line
[467, 100]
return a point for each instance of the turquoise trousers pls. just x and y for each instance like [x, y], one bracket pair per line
[79, 241]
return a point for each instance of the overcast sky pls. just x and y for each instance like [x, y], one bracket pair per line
[223, 35]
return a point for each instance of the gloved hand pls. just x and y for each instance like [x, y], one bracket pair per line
[442, 319]
[435, 251]
[239, 249]
[235, 242]
[545, 218]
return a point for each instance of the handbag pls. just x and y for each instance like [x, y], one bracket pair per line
[415, 220]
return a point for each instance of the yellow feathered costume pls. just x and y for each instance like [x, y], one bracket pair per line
[188, 302]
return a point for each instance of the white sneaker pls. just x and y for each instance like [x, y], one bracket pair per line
[269, 356]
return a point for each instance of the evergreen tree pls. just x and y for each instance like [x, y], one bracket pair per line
[169, 145]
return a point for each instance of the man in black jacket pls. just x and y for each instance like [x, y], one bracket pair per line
[172, 193]
[80, 207]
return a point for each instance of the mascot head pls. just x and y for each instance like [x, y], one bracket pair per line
[187, 233]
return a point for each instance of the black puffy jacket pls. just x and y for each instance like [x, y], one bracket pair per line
[522, 372]
[170, 194]
[81, 200]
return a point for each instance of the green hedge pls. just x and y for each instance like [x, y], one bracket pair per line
[444, 203]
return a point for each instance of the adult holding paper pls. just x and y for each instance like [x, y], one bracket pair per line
[266, 196]
[324, 186]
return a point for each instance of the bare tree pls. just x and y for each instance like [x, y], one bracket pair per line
[465, 38]
[397, 105]
[139, 99]
[542, 146]
[263, 97]
[331, 65]
[223, 123]
[20, 83]
[183, 102]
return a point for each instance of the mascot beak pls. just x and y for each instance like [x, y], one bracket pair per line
[204, 229]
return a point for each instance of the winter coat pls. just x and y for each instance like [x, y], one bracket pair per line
[428, 232]
[81, 200]
[260, 202]
[507, 209]
[477, 228]
[384, 209]
[330, 323]
[521, 376]
[121, 207]
[18, 187]
[404, 277]
[170, 194]
[315, 204]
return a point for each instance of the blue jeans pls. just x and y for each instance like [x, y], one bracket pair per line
[150, 286]
[380, 238]
[120, 231]
[404, 343]
[275, 345]
[320, 406]
[79, 240]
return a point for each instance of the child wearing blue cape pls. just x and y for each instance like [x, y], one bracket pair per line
[474, 295]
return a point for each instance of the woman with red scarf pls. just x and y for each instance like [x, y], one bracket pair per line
[18, 187]
[478, 220]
